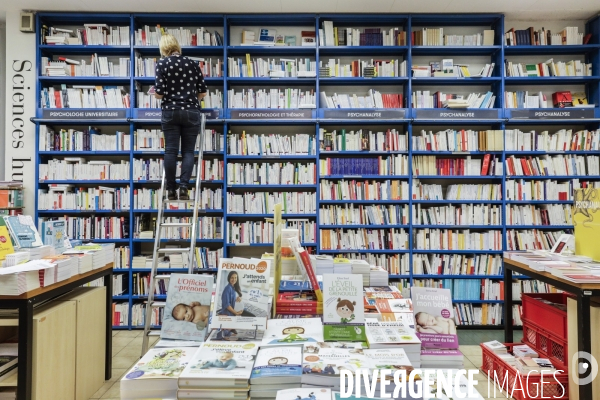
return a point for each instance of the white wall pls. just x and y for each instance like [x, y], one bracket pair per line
[19, 139]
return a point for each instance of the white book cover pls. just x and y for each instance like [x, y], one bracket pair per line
[216, 361]
[389, 332]
[434, 317]
[282, 362]
[394, 359]
[304, 394]
[343, 307]
[242, 294]
[187, 308]
[330, 361]
[288, 331]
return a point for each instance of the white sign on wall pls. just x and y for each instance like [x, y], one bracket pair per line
[20, 101]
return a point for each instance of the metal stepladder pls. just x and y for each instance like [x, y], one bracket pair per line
[154, 277]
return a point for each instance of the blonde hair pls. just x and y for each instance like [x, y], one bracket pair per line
[169, 45]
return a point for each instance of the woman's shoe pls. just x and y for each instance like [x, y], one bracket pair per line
[183, 193]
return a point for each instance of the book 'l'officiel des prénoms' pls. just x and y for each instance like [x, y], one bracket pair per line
[187, 308]
[434, 321]
[242, 294]
[343, 308]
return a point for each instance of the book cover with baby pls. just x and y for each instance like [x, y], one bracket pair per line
[160, 363]
[343, 307]
[187, 308]
[219, 360]
[319, 361]
[282, 332]
[283, 362]
[434, 318]
[242, 294]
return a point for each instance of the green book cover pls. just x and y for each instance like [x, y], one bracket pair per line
[343, 308]
[531, 70]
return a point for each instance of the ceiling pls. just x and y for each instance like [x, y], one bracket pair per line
[532, 10]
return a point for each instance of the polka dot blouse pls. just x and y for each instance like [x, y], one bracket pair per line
[179, 80]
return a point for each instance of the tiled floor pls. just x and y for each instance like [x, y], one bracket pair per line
[127, 346]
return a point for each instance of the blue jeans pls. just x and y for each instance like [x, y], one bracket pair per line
[179, 125]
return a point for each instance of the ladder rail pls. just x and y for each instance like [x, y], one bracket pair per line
[158, 236]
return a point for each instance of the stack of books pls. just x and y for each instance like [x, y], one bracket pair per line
[363, 268]
[276, 368]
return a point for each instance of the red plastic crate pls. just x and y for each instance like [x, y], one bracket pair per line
[546, 344]
[533, 388]
[544, 316]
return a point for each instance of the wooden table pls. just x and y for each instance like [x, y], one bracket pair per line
[583, 292]
[24, 304]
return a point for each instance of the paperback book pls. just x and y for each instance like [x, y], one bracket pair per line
[53, 234]
[6, 246]
[23, 231]
[187, 308]
[282, 364]
[281, 332]
[343, 308]
[242, 294]
[390, 334]
[434, 321]
[304, 394]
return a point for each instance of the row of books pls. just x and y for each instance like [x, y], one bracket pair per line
[154, 140]
[95, 227]
[434, 165]
[271, 173]
[89, 35]
[426, 99]
[423, 191]
[572, 165]
[87, 140]
[275, 68]
[138, 315]
[456, 239]
[140, 285]
[206, 228]
[151, 169]
[334, 36]
[11, 195]
[475, 289]
[561, 140]
[363, 190]
[447, 69]
[456, 264]
[484, 314]
[382, 165]
[464, 214]
[213, 99]
[531, 239]
[249, 232]
[67, 197]
[147, 199]
[362, 140]
[436, 37]
[121, 257]
[118, 287]
[146, 66]
[264, 202]
[146, 100]
[98, 66]
[523, 99]
[372, 99]
[120, 314]
[150, 36]
[77, 168]
[459, 140]
[363, 239]
[542, 37]
[349, 214]
[394, 264]
[289, 98]
[547, 68]
[526, 189]
[335, 68]
[270, 144]
[85, 96]
[552, 214]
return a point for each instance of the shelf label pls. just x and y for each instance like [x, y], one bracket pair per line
[445, 113]
[363, 114]
[65, 113]
[157, 113]
[275, 114]
[560, 113]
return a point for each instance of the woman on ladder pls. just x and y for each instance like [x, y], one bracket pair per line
[180, 85]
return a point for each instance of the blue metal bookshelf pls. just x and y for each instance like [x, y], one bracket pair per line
[406, 120]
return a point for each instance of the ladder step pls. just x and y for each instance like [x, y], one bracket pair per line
[159, 303]
[175, 224]
[153, 333]
[174, 250]
[162, 276]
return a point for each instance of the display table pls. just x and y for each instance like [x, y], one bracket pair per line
[583, 292]
[24, 304]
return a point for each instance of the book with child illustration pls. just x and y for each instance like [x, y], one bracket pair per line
[220, 364]
[281, 332]
[242, 294]
[343, 307]
[434, 318]
[155, 374]
[282, 364]
[236, 335]
[187, 308]
[321, 365]
[304, 394]
[390, 334]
